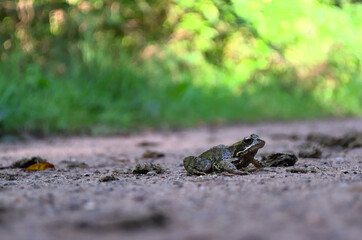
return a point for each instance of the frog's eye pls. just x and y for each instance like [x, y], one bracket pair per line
[248, 140]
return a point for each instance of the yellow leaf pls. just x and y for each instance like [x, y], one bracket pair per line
[39, 167]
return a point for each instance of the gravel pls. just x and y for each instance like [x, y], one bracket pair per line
[317, 198]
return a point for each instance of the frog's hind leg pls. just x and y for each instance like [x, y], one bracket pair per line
[196, 172]
[197, 165]
[225, 166]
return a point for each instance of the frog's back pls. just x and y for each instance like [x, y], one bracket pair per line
[217, 153]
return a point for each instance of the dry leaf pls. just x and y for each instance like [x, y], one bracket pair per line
[39, 167]
[27, 162]
[153, 154]
[147, 144]
[120, 159]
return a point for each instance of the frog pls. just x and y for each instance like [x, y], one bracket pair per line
[224, 158]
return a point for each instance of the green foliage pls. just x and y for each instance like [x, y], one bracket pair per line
[102, 65]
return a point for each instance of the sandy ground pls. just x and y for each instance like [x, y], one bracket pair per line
[71, 203]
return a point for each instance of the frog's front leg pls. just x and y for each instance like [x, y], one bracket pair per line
[256, 163]
[226, 166]
[197, 165]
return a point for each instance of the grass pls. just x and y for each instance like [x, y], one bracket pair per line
[95, 100]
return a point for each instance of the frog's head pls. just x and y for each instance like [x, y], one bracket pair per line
[250, 144]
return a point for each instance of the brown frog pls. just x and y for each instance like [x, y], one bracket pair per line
[224, 158]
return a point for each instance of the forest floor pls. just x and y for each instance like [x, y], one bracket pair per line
[77, 201]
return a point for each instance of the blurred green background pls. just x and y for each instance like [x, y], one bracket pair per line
[100, 66]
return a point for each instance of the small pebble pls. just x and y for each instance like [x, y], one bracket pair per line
[152, 173]
[108, 178]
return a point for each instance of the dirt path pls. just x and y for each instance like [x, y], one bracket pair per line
[71, 203]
